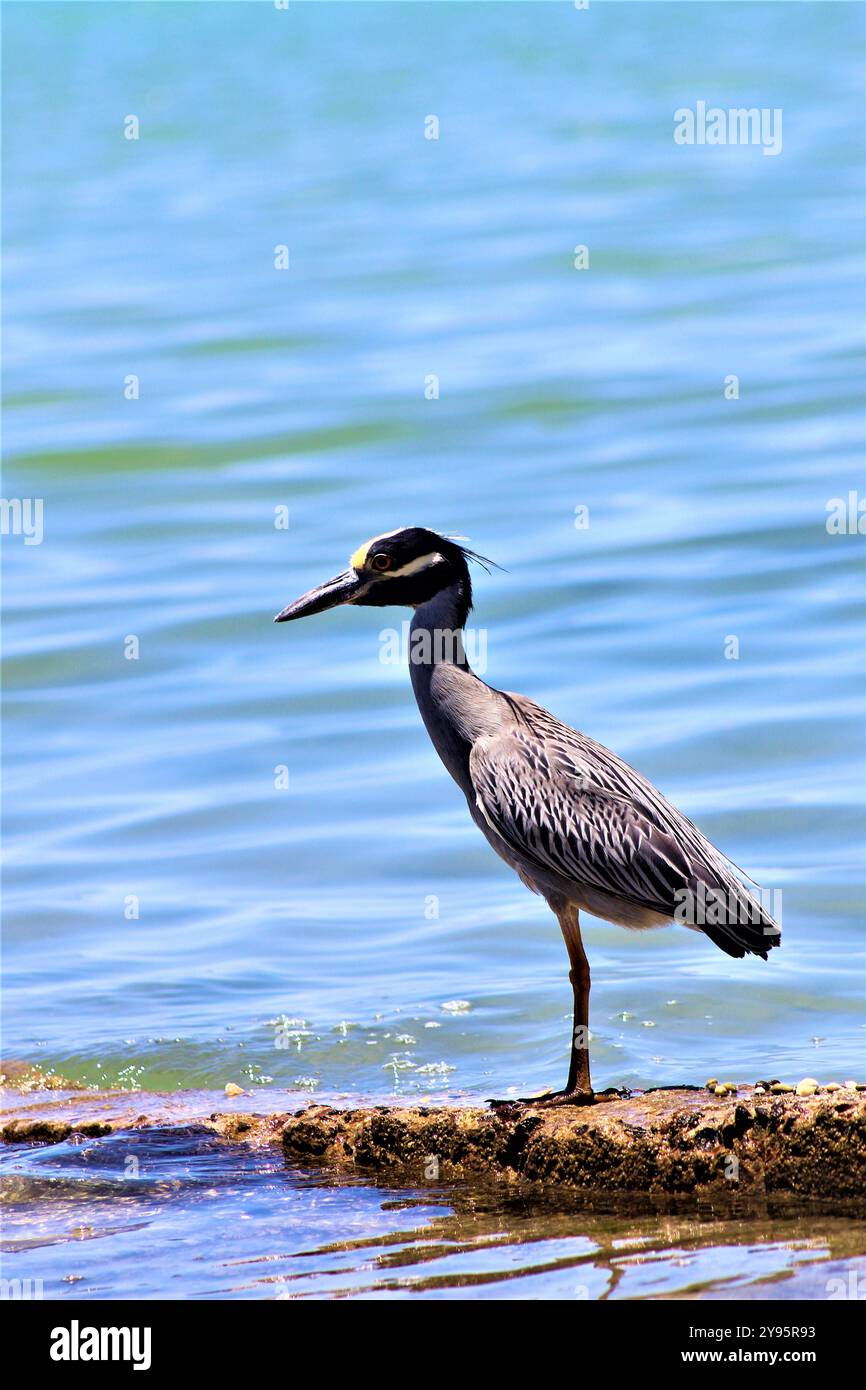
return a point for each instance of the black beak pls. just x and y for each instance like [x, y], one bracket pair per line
[343, 588]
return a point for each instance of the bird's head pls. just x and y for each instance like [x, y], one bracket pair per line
[406, 567]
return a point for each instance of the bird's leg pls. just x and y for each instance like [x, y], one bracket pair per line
[578, 1069]
[578, 1088]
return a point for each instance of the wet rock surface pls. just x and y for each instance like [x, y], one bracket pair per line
[673, 1141]
[664, 1142]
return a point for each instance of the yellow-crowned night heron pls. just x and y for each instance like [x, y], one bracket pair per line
[579, 825]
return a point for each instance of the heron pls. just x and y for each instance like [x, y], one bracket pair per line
[580, 826]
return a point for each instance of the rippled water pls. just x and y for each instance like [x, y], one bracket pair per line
[289, 935]
[79, 1214]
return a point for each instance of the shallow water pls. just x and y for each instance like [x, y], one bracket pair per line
[352, 933]
[220, 1220]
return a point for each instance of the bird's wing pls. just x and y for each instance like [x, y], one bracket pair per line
[549, 802]
[579, 831]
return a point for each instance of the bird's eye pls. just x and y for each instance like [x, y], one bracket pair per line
[381, 562]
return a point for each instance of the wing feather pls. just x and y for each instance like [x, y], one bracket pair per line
[565, 804]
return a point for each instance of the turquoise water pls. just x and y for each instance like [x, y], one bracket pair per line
[288, 936]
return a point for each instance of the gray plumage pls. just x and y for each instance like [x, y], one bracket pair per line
[579, 824]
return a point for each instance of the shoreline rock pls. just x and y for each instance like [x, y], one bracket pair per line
[661, 1142]
[653, 1143]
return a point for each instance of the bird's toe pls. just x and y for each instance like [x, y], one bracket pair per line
[548, 1100]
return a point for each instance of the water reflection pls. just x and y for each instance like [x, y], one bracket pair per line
[134, 1215]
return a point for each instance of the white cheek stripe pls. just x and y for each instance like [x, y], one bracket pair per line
[423, 562]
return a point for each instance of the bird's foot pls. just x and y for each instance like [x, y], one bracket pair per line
[549, 1100]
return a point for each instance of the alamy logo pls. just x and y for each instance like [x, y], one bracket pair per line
[22, 516]
[21, 1288]
[400, 647]
[739, 125]
[77, 1343]
[717, 907]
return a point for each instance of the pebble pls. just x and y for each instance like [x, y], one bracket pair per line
[712, 1083]
[232, 1089]
[730, 1086]
[780, 1088]
[850, 1085]
[720, 1090]
[807, 1087]
[832, 1086]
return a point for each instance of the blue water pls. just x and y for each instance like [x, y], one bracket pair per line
[236, 1223]
[289, 936]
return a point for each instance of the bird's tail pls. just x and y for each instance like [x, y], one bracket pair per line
[733, 916]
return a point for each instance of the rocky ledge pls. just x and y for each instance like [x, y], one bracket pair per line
[752, 1142]
[659, 1142]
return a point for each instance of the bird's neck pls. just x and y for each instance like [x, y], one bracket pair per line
[436, 634]
[437, 659]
